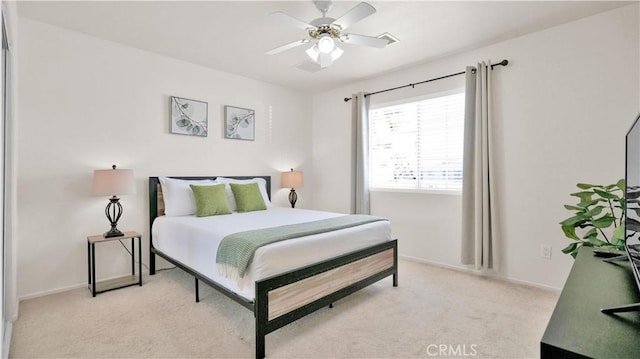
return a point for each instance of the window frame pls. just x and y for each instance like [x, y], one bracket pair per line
[444, 191]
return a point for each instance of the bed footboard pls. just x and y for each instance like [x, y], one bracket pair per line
[284, 298]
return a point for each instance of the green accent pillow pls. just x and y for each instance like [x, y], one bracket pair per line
[248, 197]
[210, 200]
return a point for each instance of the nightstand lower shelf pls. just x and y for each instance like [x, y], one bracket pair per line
[116, 283]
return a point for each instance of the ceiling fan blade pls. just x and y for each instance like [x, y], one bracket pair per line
[286, 47]
[354, 15]
[295, 22]
[364, 40]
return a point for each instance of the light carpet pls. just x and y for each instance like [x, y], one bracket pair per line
[434, 312]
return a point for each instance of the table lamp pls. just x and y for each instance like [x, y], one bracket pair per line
[113, 182]
[292, 179]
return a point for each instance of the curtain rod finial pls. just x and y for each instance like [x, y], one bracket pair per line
[347, 99]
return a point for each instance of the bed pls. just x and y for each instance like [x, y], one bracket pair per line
[317, 270]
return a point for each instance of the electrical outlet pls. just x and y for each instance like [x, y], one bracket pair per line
[545, 251]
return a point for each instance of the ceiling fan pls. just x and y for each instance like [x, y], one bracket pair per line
[324, 31]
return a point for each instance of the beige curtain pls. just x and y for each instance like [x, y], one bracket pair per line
[479, 242]
[360, 173]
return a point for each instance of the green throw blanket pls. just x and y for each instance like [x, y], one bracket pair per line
[237, 249]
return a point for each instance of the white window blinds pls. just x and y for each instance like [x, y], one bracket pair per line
[418, 145]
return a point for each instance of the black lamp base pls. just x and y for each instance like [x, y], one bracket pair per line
[113, 211]
[293, 198]
[113, 233]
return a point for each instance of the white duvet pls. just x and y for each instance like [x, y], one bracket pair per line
[194, 242]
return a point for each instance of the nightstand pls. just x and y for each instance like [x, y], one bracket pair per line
[106, 285]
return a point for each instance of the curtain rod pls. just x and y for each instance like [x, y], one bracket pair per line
[501, 63]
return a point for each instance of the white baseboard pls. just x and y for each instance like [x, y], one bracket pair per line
[493, 275]
[70, 287]
[51, 291]
[409, 258]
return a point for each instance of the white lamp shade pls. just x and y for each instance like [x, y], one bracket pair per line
[113, 182]
[313, 52]
[336, 53]
[291, 179]
[325, 44]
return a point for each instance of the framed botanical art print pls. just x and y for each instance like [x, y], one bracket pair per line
[189, 117]
[239, 123]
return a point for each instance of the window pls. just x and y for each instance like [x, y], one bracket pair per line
[418, 145]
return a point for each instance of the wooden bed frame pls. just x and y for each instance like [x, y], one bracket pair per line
[287, 297]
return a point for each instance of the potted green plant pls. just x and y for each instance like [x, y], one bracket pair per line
[598, 217]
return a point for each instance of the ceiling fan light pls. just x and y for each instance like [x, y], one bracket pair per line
[325, 60]
[325, 44]
[336, 53]
[313, 52]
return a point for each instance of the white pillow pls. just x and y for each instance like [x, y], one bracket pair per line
[178, 197]
[262, 184]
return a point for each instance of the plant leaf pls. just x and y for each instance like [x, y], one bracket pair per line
[570, 248]
[591, 233]
[597, 243]
[619, 244]
[618, 234]
[604, 221]
[585, 204]
[573, 208]
[584, 196]
[605, 194]
[572, 221]
[594, 211]
[587, 185]
[621, 184]
[570, 232]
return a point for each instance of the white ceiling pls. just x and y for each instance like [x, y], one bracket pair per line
[233, 36]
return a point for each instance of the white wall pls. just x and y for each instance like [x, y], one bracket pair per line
[86, 104]
[562, 108]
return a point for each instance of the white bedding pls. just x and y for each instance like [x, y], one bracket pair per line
[194, 242]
